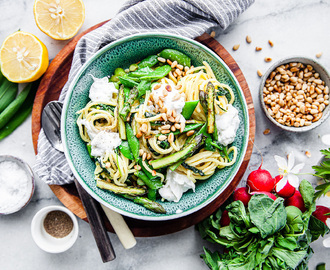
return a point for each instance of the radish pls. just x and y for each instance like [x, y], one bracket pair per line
[270, 195]
[260, 180]
[296, 200]
[242, 194]
[225, 220]
[320, 212]
[283, 188]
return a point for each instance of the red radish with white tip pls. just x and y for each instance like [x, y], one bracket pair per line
[270, 195]
[242, 194]
[225, 220]
[296, 200]
[283, 188]
[320, 212]
[260, 180]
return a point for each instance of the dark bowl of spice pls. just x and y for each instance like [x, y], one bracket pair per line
[54, 229]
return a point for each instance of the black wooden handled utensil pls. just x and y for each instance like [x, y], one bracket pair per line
[51, 123]
[96, 223]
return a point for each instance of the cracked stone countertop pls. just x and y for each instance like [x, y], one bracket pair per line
[296, 27]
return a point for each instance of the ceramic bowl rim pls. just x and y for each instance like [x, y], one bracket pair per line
[70, 92]
[295, 58]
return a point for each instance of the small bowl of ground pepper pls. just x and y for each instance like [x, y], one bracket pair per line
[294, 94]
[54, 229]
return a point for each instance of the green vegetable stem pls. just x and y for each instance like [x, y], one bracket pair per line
[157, 74]
[121, 123]
[14, 106]
[126, 150]
[133, 142]
[127, 105]
[16, 116]
[147, 203]
[183, 154]
[150, 183]
[189, 108]
[128, 81]
[150, 61]
[133, 191]
[175, 55]
[8, 92]
[210, 108]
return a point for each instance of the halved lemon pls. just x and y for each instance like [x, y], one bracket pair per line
[59, 19]
[24, 58]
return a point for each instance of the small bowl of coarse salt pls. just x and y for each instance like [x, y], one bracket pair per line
[16, 184]
[294, 94]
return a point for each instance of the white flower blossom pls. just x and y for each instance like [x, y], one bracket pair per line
[288, 170]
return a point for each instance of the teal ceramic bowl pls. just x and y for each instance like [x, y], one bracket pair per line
[122, 53]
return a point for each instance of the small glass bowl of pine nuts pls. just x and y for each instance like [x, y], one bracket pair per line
[294, 94]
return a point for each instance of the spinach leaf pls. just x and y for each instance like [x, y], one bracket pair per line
[211, 259]
[317, 228]
[267, 215]
[286, 242]
[291, 258]
[237, 214]
[307, 192]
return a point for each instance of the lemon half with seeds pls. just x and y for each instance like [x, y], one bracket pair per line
[24, 58]
[59, 19]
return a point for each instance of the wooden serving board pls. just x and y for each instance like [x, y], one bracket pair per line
[50, 88]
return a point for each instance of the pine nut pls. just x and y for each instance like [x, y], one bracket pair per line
[259, 73]
[161, 59]
[177, 126]
[162, 138]
[144, 128]
[139, 135]
[171, 119]
[169, 62]
[164, 116]
[318, 55]
[212, 34]
[166, 127]
[182, 127]
[170, 138]
[173, 128]
[235, 47]
[248, 39]
[165, 131]
[157, 86]
[190, 132]
[144, 156]
[268, 59]
[174, 64]
[258, 49]
[141, 152]
[270, 43]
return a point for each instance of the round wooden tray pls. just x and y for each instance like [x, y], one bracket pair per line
[50, 88]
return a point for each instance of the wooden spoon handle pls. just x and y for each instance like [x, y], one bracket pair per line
[120, 227]
[92, 208]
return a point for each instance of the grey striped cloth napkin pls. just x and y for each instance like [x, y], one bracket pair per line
[189, 18]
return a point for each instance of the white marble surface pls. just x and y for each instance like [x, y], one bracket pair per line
[297, 27]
